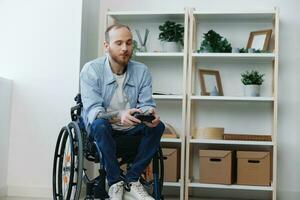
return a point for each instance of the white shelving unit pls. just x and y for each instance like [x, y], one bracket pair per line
[168, 97]
[233, 111]
[231, 187]
[171, 140]
[231, 142]
[160, 54]
[235, 56]
[168, 71]
[231, 98]
[175, 74]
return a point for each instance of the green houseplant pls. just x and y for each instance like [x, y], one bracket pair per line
[214, 42]
[252, 81]
[135, 47]
[171, 33]
[244, 50]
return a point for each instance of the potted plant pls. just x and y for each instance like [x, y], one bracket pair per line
[214, 42]
[171, 34]
[135, 48]
[252, 82]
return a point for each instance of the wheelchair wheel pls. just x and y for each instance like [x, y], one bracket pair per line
[78, 159]
[63, 171]
[67, 166]
[154, 185]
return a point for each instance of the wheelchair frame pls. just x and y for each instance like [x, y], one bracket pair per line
[72, 147]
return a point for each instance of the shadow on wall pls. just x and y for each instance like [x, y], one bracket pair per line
[89, 31]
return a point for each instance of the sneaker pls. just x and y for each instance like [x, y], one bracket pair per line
[137, 192]
[116, 190]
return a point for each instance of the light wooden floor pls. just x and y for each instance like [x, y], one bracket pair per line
[22, 198]
[26, 198]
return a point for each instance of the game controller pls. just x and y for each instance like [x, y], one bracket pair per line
[143, 117]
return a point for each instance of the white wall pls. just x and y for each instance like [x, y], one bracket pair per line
[89, 30]
[289, 96]
[40, 52]
[5, 110]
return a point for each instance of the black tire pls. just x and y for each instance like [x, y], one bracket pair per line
[161, 171]
[78, 159]
[158, 164]
[55, 186]
[63, 166]
[158, 169]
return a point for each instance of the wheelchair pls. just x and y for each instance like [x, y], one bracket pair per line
[74, 148]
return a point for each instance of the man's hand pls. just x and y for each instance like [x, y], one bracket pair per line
[156, 121]
[127, 119]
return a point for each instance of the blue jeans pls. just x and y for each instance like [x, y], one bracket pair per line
[102, 133]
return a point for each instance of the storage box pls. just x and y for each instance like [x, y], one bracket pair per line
[171, 164]
[216, 166]
[248, 137]
[216, 133]
[253, 168]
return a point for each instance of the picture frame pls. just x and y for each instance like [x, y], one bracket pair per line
[259, 40]
[210, 82]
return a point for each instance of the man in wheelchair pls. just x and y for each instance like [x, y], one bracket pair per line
[113, 90]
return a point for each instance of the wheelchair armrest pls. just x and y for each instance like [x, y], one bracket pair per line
[76, 112]
[78, 98]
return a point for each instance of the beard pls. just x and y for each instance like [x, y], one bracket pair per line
[121, 59]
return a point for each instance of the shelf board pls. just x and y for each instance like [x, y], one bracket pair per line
[232, 142]
[170, 140]
[236, 15]
[159, 54]
[172, 184]
[235, 56]
[168, 97]
[146, 15]
[233, 187]
[231, 98]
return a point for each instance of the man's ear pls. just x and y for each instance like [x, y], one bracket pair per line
[106, 46]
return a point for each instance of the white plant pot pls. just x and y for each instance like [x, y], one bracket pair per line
[170, 47]
[251, 90]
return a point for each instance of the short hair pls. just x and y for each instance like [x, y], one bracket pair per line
[114, 26]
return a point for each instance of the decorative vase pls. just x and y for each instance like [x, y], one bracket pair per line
[235, 50]
[205, 51]
[170, 47]
[250, 50]
[252, 90]
[143, 48]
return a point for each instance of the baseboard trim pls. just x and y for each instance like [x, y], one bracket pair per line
[29, 191]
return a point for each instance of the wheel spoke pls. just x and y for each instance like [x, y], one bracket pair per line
[67, 165]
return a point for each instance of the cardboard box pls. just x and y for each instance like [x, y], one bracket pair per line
[253, 168]
[216, 166]
[216, 133]
[171, 164]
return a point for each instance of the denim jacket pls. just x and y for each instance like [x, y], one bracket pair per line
[97, 86]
